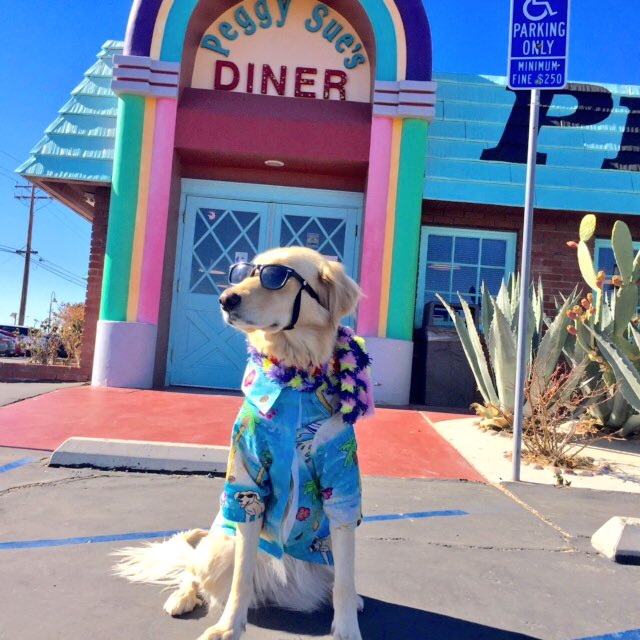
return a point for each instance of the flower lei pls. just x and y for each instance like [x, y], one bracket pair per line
[347, 375]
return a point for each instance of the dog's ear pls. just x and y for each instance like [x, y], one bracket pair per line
[342, 293]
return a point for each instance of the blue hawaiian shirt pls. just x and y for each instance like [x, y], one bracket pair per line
[292, 466]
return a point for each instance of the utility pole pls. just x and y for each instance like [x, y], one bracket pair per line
[27, 253]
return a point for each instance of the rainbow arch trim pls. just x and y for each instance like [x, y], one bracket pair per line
[157, 29]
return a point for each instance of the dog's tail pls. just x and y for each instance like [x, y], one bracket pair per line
[159, 562]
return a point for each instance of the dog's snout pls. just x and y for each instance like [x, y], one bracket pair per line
[229, 301]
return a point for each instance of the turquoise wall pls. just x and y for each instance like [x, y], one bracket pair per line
[471, 115]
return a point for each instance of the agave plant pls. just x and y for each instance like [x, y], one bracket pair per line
[604, 336]
[493, 360]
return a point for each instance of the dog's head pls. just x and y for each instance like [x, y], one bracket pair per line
[246, 497]
[249, 306]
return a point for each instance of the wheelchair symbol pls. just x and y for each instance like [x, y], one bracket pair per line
[543, 9]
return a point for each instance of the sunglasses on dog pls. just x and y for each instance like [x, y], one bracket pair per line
[273, 277]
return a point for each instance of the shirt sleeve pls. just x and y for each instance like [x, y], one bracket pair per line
[247, 483]
[336, 464]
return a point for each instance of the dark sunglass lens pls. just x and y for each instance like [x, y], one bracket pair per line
[273, 276]
[240, 271]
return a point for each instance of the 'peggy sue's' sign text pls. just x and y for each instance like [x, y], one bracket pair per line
[292, 48]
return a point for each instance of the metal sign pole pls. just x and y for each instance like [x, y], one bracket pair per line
[525, 277]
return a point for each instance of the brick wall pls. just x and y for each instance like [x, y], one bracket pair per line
[25, 372]
[94, 284]
[17, 370]
[551, 259]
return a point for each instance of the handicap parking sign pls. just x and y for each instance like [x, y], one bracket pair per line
[538, 44]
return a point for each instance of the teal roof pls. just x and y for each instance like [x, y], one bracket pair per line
[78, 144]
[472, 112]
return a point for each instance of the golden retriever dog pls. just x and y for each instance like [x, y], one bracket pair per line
[279, 540]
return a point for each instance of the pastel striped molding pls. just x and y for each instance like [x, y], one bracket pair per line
[140, 75]
[405, 99]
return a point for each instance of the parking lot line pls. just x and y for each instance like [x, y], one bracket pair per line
[417, 514]
[148, 535]
[632, 634]
[17, 464]
[65, 542]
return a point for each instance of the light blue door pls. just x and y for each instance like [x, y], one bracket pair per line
[216, 232]
[330, 230]
[203, 350]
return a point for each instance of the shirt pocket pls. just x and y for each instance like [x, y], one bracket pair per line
[315, 408]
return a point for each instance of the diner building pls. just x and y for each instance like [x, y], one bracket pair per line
[219, 129]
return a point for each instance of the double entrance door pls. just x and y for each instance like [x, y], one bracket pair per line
[218, 230]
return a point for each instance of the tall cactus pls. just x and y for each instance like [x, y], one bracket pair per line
[603, 332]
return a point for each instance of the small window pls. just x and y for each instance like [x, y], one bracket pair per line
[453, 260]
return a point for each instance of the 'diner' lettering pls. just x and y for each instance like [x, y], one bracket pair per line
[228, 76]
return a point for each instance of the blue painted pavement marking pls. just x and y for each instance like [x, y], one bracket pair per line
[64, 542]
[147, 535]
[17, 464]
[633, 634]
[417, 514]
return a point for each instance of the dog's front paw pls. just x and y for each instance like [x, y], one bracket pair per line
[222, 631]
[180, 602]
[345, 629]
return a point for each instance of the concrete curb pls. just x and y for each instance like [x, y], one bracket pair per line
[619, 540]
[137, 455]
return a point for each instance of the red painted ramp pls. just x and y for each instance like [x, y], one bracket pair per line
[394, 443]
[399, 443]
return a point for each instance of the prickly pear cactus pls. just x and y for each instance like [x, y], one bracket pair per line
[587, 227]
[602, 325]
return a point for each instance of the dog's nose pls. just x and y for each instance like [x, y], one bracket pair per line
[229, 301]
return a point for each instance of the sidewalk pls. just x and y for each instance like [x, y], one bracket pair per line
[11, 392]
[394, 443]
[616, 464]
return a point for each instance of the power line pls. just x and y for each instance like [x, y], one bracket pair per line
[49, 263]
[77, 281]
[43, 264]
[62, 269]
[67, 225]
[9, 175]
[10, 156]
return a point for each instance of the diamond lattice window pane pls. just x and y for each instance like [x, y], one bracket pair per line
[221, 237]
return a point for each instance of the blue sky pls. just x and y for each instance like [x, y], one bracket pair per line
[48, 44]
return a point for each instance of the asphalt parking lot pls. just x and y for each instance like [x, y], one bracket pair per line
[436, 559]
